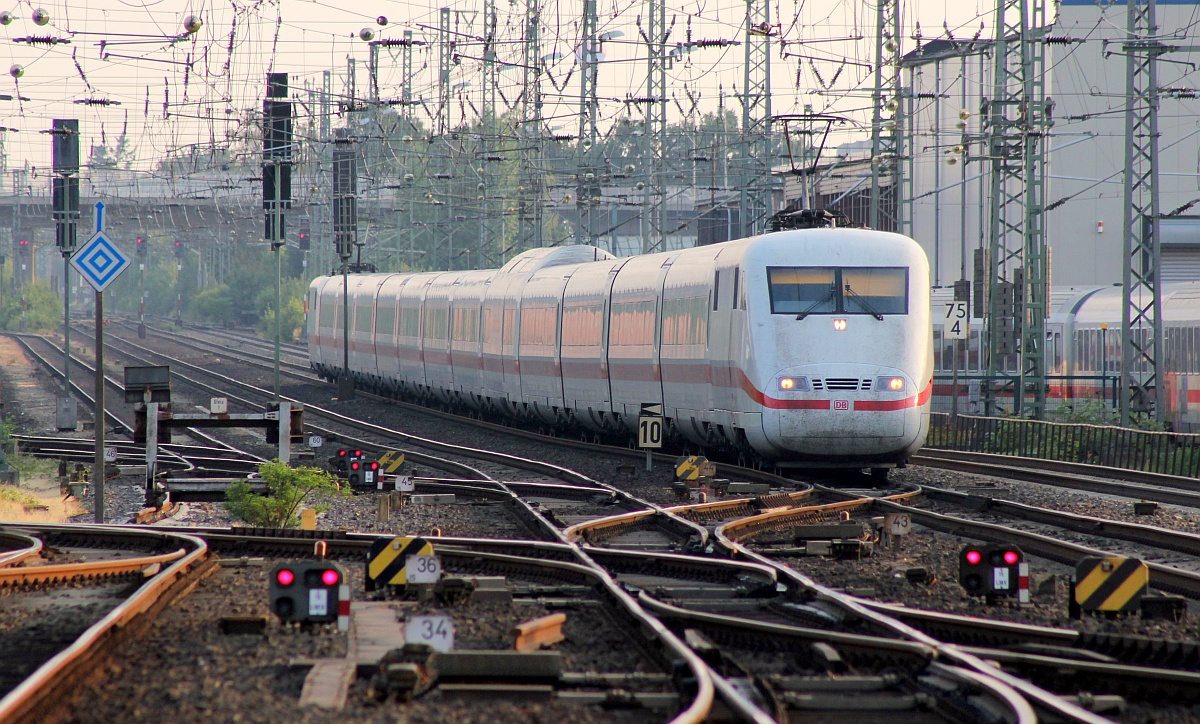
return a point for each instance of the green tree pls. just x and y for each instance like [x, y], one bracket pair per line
[41, 307]
[215, 305]
[287, 489]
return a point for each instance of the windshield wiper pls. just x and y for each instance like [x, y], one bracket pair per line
[819, 302]
[863, 301]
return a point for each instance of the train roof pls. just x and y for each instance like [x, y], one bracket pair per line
[527, 262]
[1180, 303]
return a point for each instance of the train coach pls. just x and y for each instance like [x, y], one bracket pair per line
[1083, 345]
[801, 348]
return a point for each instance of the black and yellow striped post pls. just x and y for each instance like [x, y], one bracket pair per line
[689, 467]
[1109, 583]
[391, 461]
[387, 561]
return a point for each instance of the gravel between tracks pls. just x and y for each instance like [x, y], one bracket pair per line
[185, 666]
[36, 625]
[883, 573]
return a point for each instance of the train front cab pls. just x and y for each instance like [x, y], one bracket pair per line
[842, 365]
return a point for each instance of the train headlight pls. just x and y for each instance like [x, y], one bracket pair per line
[794, 384]
[894, 384]
[839, 325]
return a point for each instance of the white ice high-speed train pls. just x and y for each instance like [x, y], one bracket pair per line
[805, 348]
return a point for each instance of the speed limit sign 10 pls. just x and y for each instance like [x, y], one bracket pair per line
[650, 432]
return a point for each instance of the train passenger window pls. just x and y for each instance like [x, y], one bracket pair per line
[802, 290]
[410, 322]
[385, 320]
[851, 290]
[328, 312]
[583, 326]
[436, 322]
[491, 330]
[716, 289]
[538, 326]
[684, 321]
[465, 325]
[736, 284]
[632, 323]
[363, 314]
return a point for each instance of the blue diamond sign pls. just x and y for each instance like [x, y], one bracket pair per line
[99, 261]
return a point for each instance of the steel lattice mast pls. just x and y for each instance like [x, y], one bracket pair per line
[491, 243]
[653, 199]
[1141, 313]
[1018, 120]
[587, 193]
[756, 201]
[887, 113]
[445, 50]
[529, 205]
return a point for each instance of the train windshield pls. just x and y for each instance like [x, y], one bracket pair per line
[832, 290]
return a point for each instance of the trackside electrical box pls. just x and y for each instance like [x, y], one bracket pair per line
[306, 591]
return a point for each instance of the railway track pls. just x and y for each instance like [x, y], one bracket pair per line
[134, 589]
[596, 539]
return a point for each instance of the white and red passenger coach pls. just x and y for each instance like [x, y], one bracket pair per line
[807, 347]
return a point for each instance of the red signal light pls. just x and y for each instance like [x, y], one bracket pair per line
[358, 453]
[354, 465]
[374, 466]
[1011, 557]
[974, 557]
[342, 453]
[329, 577]
[285, 577]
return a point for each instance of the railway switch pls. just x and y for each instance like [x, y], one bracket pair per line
[308, 591]
[994, 571]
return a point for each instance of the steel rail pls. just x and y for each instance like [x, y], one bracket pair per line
[1162, 577]
[1147, 535]
[930, 456]
[593, 530]
[549, 554]
[47, 681]
[1165, 488]
[19, 547]
[22, 339]
[1148, 683]
[852, 608]
[242, 355]
[858, 648]
[754, 525]
[62, 572]
[175, 457]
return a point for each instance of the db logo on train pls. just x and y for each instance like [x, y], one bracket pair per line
[841, 404]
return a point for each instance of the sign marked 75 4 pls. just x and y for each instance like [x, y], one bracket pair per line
[957, 324]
